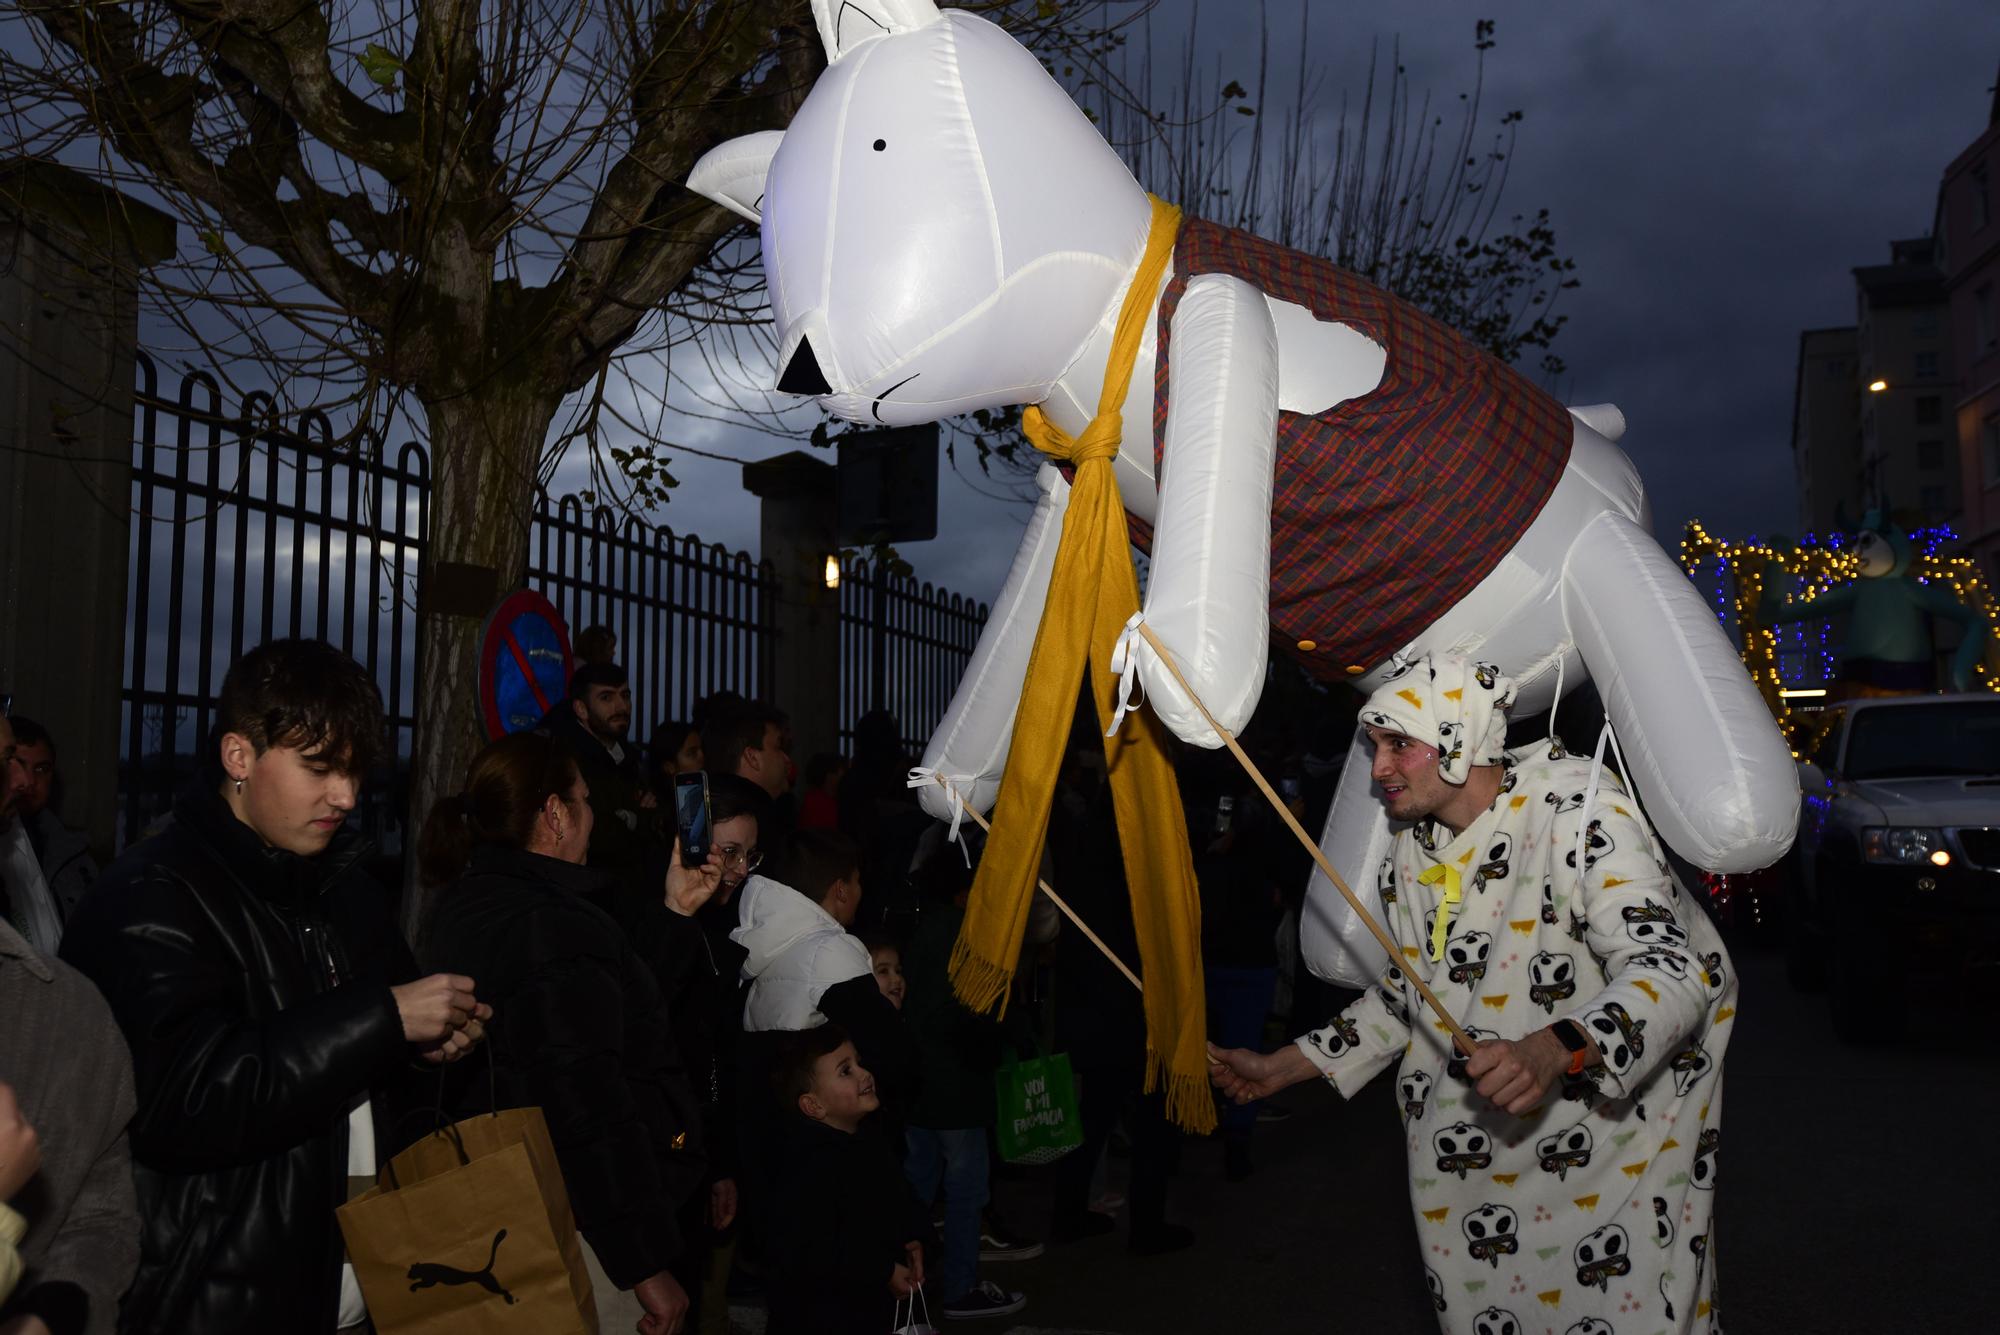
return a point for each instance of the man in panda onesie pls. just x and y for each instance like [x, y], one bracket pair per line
[1563, 1175]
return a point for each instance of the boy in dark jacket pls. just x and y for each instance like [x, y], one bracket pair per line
[846, 1232]
[804, 969]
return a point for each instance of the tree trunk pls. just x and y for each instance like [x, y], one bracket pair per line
[485, 448]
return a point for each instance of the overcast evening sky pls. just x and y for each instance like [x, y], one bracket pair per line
[1715, 170]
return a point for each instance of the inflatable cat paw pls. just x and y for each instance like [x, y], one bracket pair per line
[1320, 465]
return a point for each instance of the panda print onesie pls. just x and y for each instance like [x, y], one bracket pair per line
[1592, 1214]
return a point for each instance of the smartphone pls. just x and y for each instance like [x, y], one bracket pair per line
[691, 815]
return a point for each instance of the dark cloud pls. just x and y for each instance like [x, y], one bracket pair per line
[1716, 171]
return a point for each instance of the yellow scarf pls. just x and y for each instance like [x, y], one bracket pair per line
[1092, 593]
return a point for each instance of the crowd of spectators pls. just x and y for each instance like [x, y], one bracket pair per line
[756, 1077]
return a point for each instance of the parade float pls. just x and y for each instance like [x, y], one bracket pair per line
[1835, 618]
[1850, 614]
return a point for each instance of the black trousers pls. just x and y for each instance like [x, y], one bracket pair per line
[1105, 1092]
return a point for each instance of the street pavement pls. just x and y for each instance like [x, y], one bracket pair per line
[1858, 1193]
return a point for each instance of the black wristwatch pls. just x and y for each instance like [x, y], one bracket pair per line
[1575, 1041]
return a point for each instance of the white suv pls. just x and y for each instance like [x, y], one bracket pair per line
[1898, 852]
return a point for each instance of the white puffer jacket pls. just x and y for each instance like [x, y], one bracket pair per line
[797, 951]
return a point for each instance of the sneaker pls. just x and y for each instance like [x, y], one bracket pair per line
[984, 1299]
[1268, 1111]
[994, 1245]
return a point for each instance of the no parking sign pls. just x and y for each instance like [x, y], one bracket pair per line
[524, 663]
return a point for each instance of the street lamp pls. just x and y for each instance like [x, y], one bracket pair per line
[832, 571]
[1877, 386]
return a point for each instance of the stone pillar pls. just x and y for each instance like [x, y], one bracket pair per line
[799, 530]
[70, 255]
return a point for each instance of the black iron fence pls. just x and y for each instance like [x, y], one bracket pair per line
[245, 529]
[903, 647]
[242, 532]
[691, 618]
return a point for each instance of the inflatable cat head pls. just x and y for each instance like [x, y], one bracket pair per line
[942, 226]
[1884, 550]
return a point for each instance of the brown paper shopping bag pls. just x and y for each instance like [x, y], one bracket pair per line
[469, 1231]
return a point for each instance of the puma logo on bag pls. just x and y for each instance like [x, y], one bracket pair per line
[426, 1274]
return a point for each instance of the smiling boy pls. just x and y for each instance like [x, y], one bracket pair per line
[848, 1234]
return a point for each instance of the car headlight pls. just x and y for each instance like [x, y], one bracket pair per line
[1900, 845]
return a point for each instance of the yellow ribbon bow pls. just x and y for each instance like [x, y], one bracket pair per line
[1454, 891]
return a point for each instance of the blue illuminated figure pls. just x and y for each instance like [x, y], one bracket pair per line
[1889, 645]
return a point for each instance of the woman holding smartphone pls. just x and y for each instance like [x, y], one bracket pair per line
[587, 1036]
[699, 971]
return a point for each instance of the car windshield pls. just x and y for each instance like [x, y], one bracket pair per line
[1906, 741]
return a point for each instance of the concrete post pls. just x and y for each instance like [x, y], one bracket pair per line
[70, 255]
[799, 530]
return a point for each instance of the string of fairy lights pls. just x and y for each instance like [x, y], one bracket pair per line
[1738, 571]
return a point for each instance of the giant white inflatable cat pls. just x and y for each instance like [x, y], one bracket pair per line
[944, 230]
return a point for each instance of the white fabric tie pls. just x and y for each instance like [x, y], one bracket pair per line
[923, 776]
[1631, 794]
[1125, 666]
[1589, 806]
[1562, 661]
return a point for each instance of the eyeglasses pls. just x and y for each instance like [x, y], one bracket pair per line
[749, 859]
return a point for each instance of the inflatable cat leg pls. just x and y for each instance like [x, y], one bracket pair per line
[1319, 465]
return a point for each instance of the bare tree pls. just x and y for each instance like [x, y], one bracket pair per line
[469, 215]
[1398, 193]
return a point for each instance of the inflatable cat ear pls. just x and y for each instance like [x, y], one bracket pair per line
[846, 24]
[733, 173]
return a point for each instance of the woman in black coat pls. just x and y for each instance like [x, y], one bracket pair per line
[585, 1037]
[699, 972]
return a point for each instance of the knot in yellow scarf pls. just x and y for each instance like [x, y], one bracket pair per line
[1100, 440]
[1093, 591]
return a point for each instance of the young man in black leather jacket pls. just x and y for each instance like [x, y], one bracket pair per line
[271, 1005]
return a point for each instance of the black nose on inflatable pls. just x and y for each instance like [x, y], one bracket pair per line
[802, 374]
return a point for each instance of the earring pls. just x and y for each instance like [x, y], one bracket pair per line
[239, 787]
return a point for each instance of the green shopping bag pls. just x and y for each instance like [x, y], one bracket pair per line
[1037, 1118]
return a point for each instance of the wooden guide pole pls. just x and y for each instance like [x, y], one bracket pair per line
[1054, 898]
[1463, 1039]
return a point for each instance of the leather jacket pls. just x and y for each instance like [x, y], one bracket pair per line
[252, 986]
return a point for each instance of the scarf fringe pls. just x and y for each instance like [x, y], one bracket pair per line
[1190, 1101]
[978, 982]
